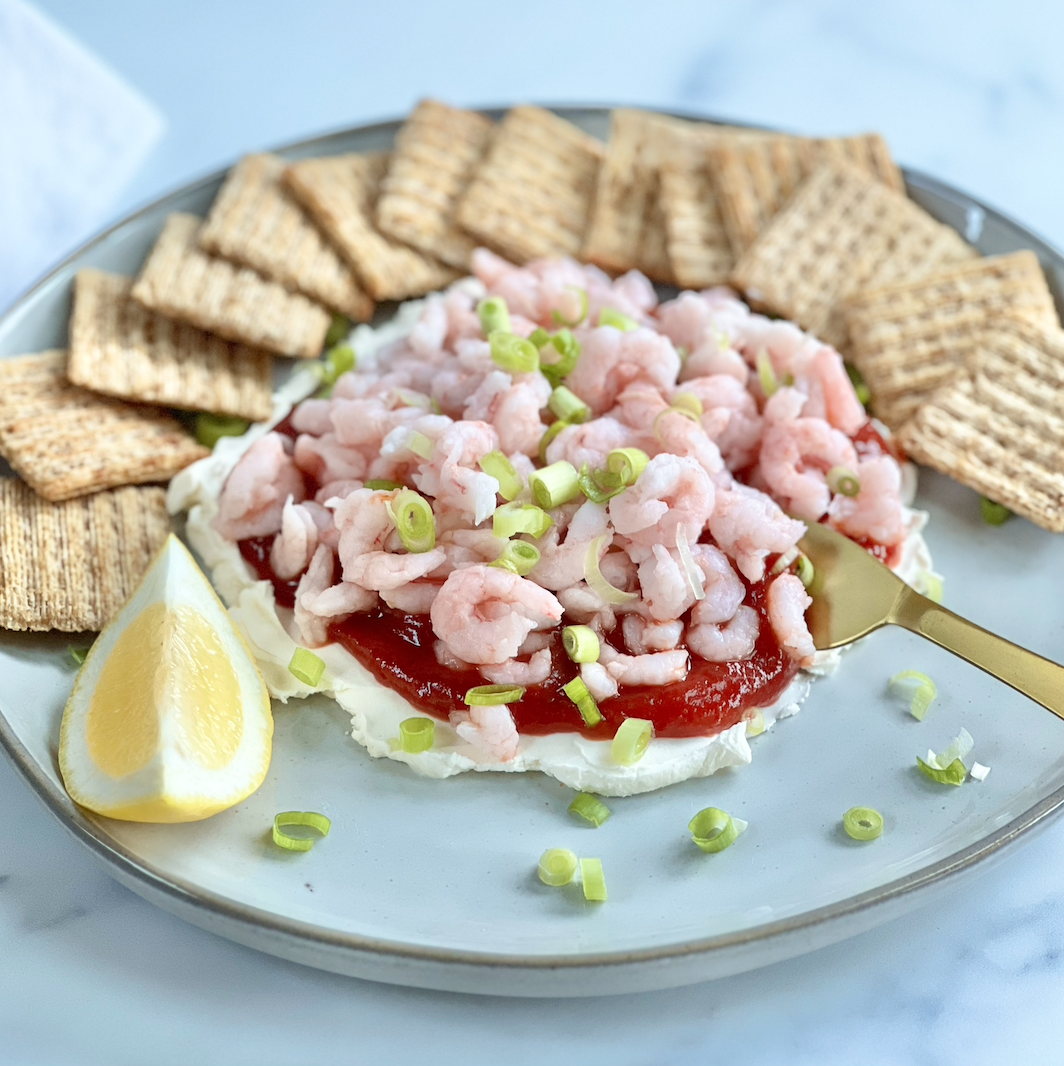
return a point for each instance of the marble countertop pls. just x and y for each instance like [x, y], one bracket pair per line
[972, 92]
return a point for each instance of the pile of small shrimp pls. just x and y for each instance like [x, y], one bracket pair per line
[730, 480]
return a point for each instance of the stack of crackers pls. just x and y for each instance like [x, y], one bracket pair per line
[964, 356]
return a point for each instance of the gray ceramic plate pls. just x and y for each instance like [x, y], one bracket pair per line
[432, 883]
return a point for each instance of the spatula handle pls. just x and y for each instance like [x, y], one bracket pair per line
[1026, 672]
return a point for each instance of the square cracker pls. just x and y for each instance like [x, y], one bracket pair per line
[254, 222]
[755, 177]
[436, 153]
[533, 193]
[340, 192]
[841, 231]
[910, 339]
[1000, 430]
[183, 282]
[120, 349]
[71, 566]
[66, 441]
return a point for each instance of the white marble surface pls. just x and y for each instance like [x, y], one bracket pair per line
[971, 91]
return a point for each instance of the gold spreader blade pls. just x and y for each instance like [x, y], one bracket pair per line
[854, 594]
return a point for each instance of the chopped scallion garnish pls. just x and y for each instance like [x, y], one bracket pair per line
[627, 464]
[843, 481]
[581, 644]
[954, 774]
[311, 819]
[766, 374]
[339, 328]
[862, 823]
[558, 317]
[539, 337]
[557, 867]
[493, 695]
[755, 723]
[416, 734]
[923, 692]
[414, 521]
[552, 431]
[590, 808]
[518, 556]
[857, 380]
[608, 316]
[211, 428]
[79, 655]
[689, 404]
[804, 569]
[336, 362]
[599, 486]
[579, 693]
[994, 514]
[420, 445]
[568, 406]
[631, 740]
[568, 349]
[512, 353]
[978, 771]
[593, 880]
[714, 830]
[306, 667]
[597, 580]
[948, 768]
[555, 484]
[695, 577]
[494, 315]
[496, 465]
[932, 585]
[513, 518]
[382, 485]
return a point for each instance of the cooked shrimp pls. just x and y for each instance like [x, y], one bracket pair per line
[584, 606]
[364, 523]
[748, 526]
[490, 729]
[667, 592]
[787, 602]
[795, 456]
[252, 500]
[590, 442]
[672, 490]
[318, 602]
[312, 416]
[512, 405]
[452, 475]
[657, 668]
[721, 643]
[382, 570]
[876, 511]
[724, 590]
[337, 490]
[325, 459]
[416, 597]
[303, 525]
[642, 636]
[598, 680]
[611, 360]
[561, 565]
[534, 671]
[430, 332]
[484, 613]
[729, 417]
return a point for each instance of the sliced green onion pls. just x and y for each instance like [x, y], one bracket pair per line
[994, 514]
[379, 484]
[518, 556]
[755, 724]
[339, 328]
[683, 353]
[555, 484]
[336, 362]
[714, 830]
[689, 404]
[420, 445]
[579, 693]
[557, 867]
[306, 667]
[954, 774]
[978, 771]
[843, 481]
[581, 644]
[211, 428]
[631, 740]
[599, 486]
[310, 819]
[805, 569]
[568, 406]
[590, 808]
[932, 585]
[596, 579]
[494, 315]
[695, 578]
[558, 317]
[568, 349]
[496, 465]
[417, 734]
[627, 464]
[513, 518]
[414, 521]
[610, 317]
[785, 561]
[79, 655]
[959, 747]
[593, 880]
[539, 337]
[862, 823]
[863, 392]
[410, 398]
[514, 354]
[923, 694]
[493, 695]
[552, 431]
[766, 374]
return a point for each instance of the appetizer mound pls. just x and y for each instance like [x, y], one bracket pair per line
[548, 504]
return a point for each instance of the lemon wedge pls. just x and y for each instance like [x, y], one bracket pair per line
[169, 720]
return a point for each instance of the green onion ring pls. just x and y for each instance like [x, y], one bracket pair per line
[863, 823]
[593, 880]
[311, 819]
[590, 808]
[581, 644]
[954, 774]
[924, 693]
[512, 353]
[414, 521]
[567, 406]
[994, 514]
[552, 431]
[804, 569]
[595, 578]
[518, 556]
[339, 328]
[513, 518]
[494, 315]
[579, 693]
[843, 481]
[766, 374]
[496, 465]
[555, 484]
[382, 485]
[416, 734]
[558, 317]
[608, 316]
[557, 867]
[493, 695]
[211, 428]
[631, 741]
[713, 830]
[627, 463]
[307, 667]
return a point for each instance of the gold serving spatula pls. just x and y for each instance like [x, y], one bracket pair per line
[853, 594]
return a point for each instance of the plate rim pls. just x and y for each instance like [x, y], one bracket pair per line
[185, 893]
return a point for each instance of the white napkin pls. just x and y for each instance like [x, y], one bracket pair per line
[72, 135]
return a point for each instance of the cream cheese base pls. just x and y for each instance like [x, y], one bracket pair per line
[376, 711]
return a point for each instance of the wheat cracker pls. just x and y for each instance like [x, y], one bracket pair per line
[912, 338]
[533, 193]
[255, 223]
[66, 441]
[121, 349]
[340, 192]
[436, 152]
[842, 231]
[182, 281]
[70, 566]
